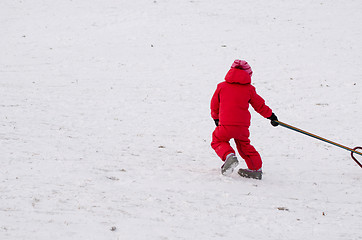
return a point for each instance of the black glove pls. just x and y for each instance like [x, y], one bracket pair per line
[273, 118]
[216, 122]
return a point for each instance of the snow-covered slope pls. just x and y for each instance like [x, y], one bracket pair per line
[105, 121]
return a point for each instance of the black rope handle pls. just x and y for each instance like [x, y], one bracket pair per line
[354, 157]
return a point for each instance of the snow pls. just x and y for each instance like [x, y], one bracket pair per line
[106, 128]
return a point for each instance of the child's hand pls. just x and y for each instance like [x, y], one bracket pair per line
[273, 118]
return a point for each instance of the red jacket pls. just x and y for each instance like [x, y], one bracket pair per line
[230, 102]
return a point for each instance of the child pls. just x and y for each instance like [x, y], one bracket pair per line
[229, 109]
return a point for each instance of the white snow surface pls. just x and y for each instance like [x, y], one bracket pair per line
[105, 125]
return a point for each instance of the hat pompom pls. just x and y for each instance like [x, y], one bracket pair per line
[243, 65]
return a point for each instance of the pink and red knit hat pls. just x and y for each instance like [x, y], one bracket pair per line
[243, 65]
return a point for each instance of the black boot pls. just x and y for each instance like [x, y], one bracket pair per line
[247, 173]
[231, 162]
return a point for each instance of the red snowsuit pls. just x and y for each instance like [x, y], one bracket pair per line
[230, 104]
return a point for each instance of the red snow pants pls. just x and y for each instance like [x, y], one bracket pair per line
[220, 143]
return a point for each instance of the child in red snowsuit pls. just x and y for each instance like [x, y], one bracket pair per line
[229, 109]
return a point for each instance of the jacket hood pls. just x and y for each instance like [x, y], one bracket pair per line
[236, 75]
